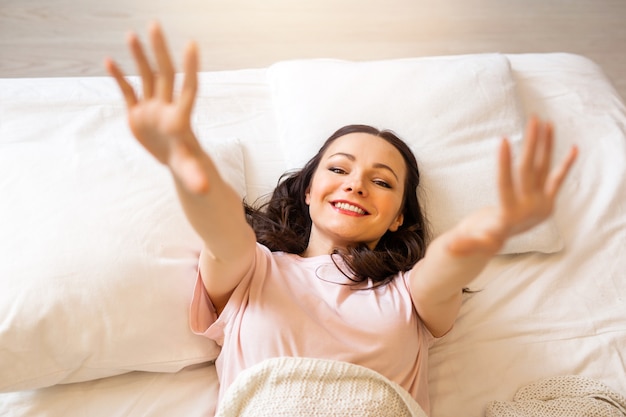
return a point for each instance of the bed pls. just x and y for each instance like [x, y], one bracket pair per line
[98, 263]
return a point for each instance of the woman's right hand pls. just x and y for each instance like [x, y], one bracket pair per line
[160, 121]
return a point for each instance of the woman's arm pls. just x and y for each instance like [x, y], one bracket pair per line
[456, 257]
[161, 123]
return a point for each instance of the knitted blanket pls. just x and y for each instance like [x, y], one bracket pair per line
[564, 396]
[315, 387]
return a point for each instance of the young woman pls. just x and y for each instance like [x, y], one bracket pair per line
[335, 266]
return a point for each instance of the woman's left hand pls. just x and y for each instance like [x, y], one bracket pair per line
[525, 199]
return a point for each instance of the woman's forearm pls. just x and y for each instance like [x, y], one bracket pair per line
[216, 213]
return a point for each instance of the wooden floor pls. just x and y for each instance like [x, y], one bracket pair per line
[49, 38]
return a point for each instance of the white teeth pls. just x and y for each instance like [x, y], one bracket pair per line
[349, 207]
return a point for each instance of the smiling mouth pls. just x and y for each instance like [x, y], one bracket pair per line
[350, 208]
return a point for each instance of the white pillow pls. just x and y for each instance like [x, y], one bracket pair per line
[452, 111]
[98, 261]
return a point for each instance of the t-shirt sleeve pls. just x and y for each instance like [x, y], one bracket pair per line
[430, 339]
[202, 313]
[203, 317]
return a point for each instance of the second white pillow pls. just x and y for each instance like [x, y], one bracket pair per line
[452, 111]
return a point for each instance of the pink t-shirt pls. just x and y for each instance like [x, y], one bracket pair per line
[305, 307]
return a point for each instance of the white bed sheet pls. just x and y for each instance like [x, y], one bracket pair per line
[189, 393]
[534, 316]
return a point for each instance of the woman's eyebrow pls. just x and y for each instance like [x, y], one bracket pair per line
[378, 165]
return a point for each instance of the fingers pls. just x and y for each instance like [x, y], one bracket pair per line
[544, 157]
[535, 180]
[536, 156]
[165, 79]
[558, 176]
[535, 174]
[147, 76]
[505, 176]
[159, 83]
[527, 165]
[190, 85]
[125, 87]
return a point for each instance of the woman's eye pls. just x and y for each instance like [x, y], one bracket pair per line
[382, 183]
[337, 170]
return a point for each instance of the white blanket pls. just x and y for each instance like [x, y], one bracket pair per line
[319, 387]
[563, 396]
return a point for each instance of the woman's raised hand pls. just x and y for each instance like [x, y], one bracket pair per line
[526, 198]
[160, 121]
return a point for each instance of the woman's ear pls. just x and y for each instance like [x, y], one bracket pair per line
[397, 223]
[307, 196]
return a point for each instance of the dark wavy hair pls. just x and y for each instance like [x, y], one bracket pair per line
[283, 223]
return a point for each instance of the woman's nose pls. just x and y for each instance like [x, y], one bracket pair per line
[356, 185]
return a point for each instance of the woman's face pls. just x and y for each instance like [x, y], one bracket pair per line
[356, 193]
